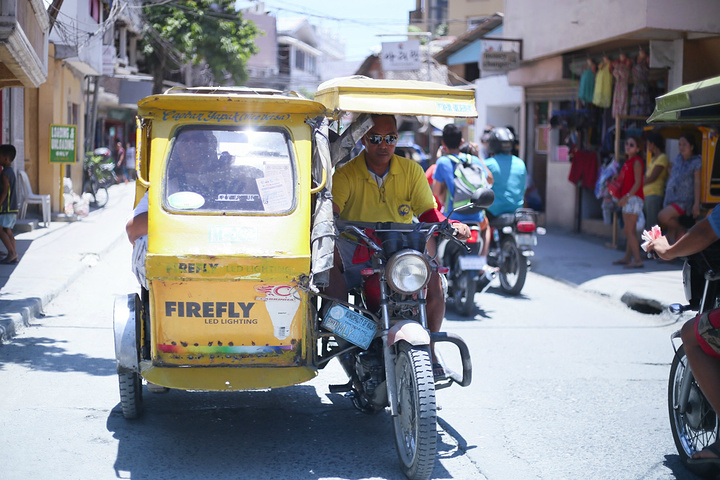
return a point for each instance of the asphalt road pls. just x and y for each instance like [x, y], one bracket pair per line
[567, 385]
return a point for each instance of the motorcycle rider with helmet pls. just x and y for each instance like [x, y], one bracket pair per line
[508, 171]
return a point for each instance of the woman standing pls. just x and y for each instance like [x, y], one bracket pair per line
[656, 175]
[631, 201]
[682, 194]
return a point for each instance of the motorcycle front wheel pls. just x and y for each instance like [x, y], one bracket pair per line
[513, 267]
[697, 427]
[415, 426]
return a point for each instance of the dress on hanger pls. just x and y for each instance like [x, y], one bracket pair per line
[621, 72]
[587, 86]
[640, 99]
[602, 96]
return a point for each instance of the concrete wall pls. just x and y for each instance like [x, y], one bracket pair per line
[497, 104]
[460, 11]
[45, 106]
[557, 26]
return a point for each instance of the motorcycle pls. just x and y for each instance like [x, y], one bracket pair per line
[693, 422]
[511, 245]
[394, 369]
[468, 273]
[229, 302]
[99, 173]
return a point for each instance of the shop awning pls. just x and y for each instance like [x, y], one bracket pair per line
[692, 103]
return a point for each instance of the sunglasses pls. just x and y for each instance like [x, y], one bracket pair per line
[377, 139]
[629, 144]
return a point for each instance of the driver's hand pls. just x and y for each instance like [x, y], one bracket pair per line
[462, 231]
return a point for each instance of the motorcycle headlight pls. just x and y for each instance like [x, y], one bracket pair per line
[407, 272]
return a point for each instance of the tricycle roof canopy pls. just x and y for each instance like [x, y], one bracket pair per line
[407, 97]
[692, 103]
[235, 99]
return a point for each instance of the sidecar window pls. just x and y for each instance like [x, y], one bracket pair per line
[230, 171]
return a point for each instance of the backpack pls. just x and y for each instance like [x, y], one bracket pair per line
[469, 176]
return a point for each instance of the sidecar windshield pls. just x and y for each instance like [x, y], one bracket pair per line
[230, 171]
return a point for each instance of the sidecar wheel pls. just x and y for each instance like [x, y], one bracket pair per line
[698, 426]
[415, 426]
[131, 395]
[513, 267]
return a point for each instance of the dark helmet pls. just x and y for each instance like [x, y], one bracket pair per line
[500, 140]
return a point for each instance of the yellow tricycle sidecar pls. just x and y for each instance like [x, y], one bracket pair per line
[228, 174]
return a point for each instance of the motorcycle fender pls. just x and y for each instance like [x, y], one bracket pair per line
[125, 329]
[411, 332]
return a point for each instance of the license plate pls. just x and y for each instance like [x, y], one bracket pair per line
[525, 240]
[350, 325]
[471, 262]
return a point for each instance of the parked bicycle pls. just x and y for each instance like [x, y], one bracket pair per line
[99, 169]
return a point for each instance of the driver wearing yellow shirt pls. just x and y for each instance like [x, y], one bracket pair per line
[379, 186]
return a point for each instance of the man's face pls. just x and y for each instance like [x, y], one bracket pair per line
[192, 148]
[381, 153]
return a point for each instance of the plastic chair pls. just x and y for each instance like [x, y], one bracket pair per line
[28, 197]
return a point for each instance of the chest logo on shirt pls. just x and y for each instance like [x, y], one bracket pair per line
[404, 210]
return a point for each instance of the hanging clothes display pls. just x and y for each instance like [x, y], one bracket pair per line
[621, 72]
[587, 83]
[640, 103]
[602, 96]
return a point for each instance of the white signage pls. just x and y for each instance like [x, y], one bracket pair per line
[398, 56]
[493, 61]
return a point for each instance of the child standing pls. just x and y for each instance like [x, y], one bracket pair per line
[8, 203]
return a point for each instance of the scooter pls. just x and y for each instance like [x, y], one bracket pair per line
[513, 237]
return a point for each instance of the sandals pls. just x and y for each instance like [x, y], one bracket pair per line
[439, 372]
[707, 461]
[14, 260]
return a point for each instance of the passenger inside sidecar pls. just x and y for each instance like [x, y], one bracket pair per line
[230, 171]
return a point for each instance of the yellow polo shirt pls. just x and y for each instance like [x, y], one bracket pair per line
[658, 186]
[405, 192]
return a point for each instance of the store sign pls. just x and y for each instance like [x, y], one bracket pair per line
[400, 56]
[494, 61]
[63, 143]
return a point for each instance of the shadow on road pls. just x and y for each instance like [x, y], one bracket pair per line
[277, 434]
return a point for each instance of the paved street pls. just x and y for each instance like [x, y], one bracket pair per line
[567, 380]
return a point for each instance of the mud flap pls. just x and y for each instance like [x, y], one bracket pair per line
[126, 330]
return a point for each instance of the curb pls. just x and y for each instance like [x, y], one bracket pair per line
[22, 312]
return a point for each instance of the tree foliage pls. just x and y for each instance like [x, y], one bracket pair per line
[198, 32]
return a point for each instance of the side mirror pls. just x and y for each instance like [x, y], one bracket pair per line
[481, 199]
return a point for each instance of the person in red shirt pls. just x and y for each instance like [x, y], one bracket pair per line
[632, 201]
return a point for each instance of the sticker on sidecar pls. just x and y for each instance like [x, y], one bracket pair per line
[454, 107]
[215, 269]
[232, 234]
[218, 117]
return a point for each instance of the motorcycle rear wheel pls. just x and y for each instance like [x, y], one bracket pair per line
[464, 288]
[696, 428]
[513, 267]
[415, 426]
[100, 195]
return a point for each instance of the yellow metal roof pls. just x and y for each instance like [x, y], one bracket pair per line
[407, 97]
[234, 99]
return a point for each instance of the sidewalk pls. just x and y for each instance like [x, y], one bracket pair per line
[584, 261]
[52, 258]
